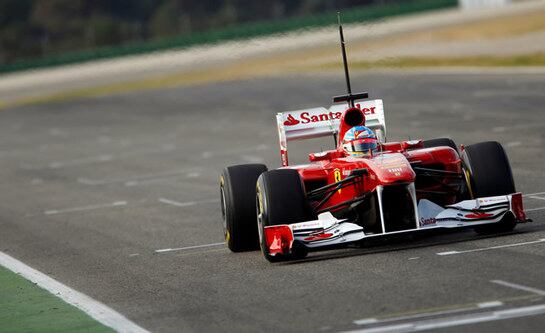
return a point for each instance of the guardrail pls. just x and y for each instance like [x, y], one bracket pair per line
[242, 31]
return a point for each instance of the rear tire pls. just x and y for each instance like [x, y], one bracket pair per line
[440, 142]
[488, 173]
[237, 192]
[281, 199]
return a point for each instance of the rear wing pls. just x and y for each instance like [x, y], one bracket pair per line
[319, 122]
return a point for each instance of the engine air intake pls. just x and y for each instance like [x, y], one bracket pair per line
[354, 117]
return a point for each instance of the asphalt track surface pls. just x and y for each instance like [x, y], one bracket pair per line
[92, 188]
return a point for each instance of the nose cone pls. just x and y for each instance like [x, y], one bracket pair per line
[392, 168]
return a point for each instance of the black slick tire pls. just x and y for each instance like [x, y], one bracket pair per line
[237, 195]
[439, 142]
[488, 173]
[281, 199]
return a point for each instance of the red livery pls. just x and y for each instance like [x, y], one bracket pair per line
[348, 194]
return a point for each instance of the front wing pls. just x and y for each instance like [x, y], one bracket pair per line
[329, 231]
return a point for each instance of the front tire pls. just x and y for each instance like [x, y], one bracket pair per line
[440, 142]
[488, 173]
[281, 199]
[237, 195]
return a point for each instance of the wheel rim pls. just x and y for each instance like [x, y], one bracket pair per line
[259, 218]
[259, 223]
[223, 210]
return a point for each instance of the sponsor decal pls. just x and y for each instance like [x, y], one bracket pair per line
[307, 225]
[284, 156]
[496, 199]
[291, 121]
[364, 133]
[391, 162]
[390, 165]
[396, 171]
[338, 177]
[516, 207]
[478, 215]
[318, 237]
[306, 117]
[431, 220]
[276, 245]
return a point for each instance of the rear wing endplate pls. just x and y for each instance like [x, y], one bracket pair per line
[319, 122]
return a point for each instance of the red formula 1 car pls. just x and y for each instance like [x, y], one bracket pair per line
[341, 197]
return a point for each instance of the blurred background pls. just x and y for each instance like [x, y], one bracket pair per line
[36, 28]
[38, 33]
[120, 41]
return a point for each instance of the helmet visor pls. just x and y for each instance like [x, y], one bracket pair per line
[364, 145]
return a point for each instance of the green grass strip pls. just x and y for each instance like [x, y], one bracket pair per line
[238, 32]
[536, 59]
[25, 307]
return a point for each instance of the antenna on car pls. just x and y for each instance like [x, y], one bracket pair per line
[349, 97]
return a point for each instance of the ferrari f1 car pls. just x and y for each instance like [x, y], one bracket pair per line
[339, 199]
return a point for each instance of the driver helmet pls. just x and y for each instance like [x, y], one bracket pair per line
[360, 141]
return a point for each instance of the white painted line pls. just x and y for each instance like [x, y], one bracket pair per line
[186, 204]
[492, 304]
[519, 287]
[251, 159]
[83, 208]
[70, 163]
[100, 158]
[169, 179]
[176, 203]
[207, 154]
[447, 253]
[366, 321]
[76, 162]
[531, 194]
[513, 144]
[98, 311]
[489, 248]
[157, 175]
[460, 320]
[386, 329]
[534, 209]
[483, 317]
[420, 315]
[414, 258]
[58, 132]
[109, 157]
[161, 149]
[188, 247]
[536, 197]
